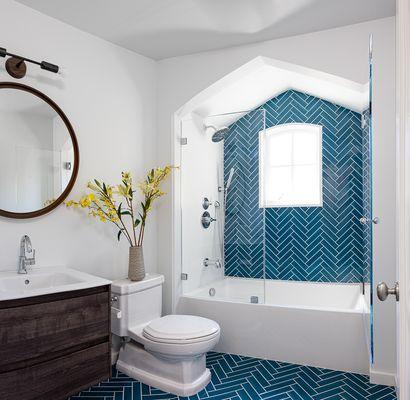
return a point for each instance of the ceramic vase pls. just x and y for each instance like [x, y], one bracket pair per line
[136, 267]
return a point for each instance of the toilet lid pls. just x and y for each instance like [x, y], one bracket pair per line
[180, 328]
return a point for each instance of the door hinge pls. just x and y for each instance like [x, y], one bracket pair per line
[184, 141]
[184, 276]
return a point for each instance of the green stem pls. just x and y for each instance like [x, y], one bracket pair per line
[119, 216]
[142, 231]
[141, 234]
[129, 203]
[118, 226]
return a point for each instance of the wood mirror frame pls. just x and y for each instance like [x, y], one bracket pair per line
[67, 190]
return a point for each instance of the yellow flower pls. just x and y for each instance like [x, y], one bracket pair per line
[91, 186]
[101, 202]
[85, 201]
[109, 191]
[122, 190]
[102, 216]
[126, 176]
[71, 203]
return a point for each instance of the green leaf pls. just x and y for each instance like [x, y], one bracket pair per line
[136, 223]
[148, 203]
[97, 183]
[119, 235]
[119, 209]
[126, 212]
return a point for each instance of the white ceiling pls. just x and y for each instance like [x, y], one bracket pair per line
[167, 28]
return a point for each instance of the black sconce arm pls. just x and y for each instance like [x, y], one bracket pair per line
[42, 64]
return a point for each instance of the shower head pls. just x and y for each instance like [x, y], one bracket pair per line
[220, 134]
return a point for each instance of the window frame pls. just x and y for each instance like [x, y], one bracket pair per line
[276, 129]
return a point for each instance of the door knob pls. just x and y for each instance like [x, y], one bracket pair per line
[383, 291]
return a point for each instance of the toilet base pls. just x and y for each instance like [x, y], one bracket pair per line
[181, 376]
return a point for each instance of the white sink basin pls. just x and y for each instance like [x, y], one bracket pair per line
[41, 281]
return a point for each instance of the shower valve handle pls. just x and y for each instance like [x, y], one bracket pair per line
[206, 219]
[207, 262]
[206, 203]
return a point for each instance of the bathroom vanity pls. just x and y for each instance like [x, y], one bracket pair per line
[54, 322]
[54, 333]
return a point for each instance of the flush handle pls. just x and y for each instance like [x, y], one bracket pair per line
[383, 291]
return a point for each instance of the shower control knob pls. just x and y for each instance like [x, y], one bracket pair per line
[206, 219]
[207, 262]
[206, 203]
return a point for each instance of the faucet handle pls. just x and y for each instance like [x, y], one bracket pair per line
[31, 260]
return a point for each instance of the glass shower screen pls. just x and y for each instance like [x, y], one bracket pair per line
[223, 227]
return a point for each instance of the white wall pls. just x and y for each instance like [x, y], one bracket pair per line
[343, 52]
[109, 95]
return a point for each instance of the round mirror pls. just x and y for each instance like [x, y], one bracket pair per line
[38, 152]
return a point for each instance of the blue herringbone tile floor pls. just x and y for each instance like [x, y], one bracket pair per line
[239, 378]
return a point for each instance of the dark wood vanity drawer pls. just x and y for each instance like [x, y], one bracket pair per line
[59, 378]
[31, 333]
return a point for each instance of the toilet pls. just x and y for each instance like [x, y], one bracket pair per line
[168, 352]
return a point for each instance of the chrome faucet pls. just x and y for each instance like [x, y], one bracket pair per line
[27, 255]
[207, 262]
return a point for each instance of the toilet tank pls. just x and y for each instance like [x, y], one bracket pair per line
[135, 303]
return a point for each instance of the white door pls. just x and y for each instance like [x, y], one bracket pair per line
[403, 201]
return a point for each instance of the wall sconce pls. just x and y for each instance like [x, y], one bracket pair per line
[17, 68]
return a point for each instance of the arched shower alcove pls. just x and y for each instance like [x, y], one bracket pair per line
[308, 265]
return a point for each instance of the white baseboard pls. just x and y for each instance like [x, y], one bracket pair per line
[382, 378]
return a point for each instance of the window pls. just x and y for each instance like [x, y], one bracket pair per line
[290, 166]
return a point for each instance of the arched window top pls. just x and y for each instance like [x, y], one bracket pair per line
[290, 166]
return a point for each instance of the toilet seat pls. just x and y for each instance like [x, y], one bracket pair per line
[181, 329]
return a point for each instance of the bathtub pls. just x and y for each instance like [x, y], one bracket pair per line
[308, 323]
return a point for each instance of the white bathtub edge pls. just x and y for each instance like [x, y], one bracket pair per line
[382, 378]
[298, 307]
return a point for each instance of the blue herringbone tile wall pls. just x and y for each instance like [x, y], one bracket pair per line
[243, 378]
[323, 244]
